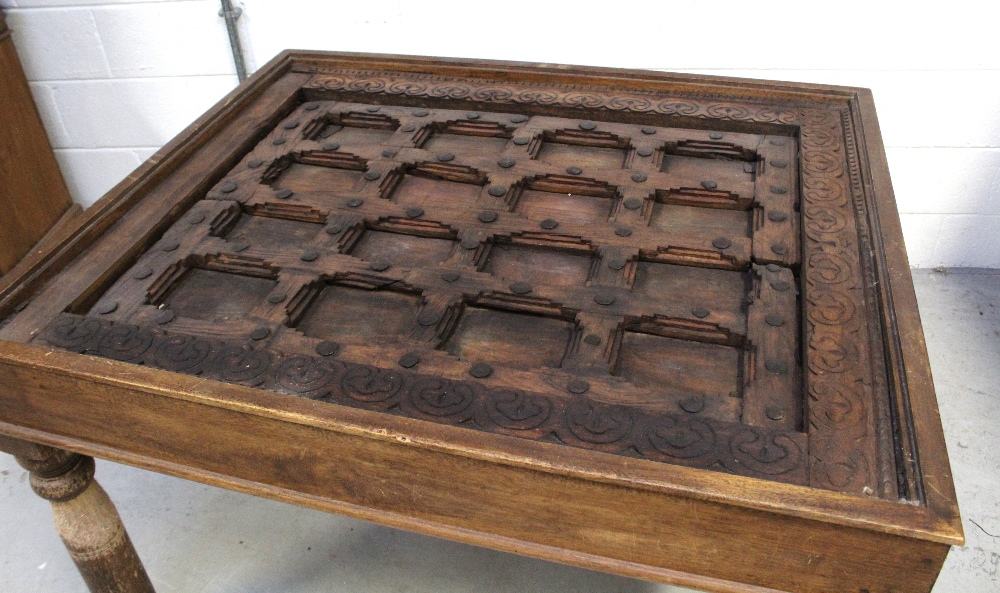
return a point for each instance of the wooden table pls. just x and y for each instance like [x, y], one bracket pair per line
[652, 324]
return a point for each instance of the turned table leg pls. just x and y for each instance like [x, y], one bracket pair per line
[85, 517]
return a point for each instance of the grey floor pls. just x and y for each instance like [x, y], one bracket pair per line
[197, 538]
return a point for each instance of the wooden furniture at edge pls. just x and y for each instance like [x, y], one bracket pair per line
[33, 195]
[658, 325]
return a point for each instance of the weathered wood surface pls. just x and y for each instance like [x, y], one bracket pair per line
[627, 270]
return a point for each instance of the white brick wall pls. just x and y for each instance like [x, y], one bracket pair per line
[116, 79]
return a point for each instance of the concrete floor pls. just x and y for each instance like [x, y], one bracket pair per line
[196, 538]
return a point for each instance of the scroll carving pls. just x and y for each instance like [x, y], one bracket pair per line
[608, 428]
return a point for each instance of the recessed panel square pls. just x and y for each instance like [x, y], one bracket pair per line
[519, 340]
[423, 191]
[693, 287]
[217, 296]
[300, 177]
[572, 155]
[678, 219]
[355, 314]
[704, 169]
[265, 232]
[465, 144]
[355, 136]
[538, 265]
[402, 250]
[565, 208]
[678, 368]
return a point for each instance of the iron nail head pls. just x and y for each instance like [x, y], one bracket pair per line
[327, 348]
[520, 288]
[604, 298]
[107, 307]
[776, 366]
[481, 370]
[692, 405]
[721, 243]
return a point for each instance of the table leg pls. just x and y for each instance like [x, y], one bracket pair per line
[85, 517]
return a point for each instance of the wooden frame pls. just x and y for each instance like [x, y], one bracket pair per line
[877, 517]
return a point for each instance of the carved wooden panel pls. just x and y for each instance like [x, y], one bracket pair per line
[592, 283]
[595, 278]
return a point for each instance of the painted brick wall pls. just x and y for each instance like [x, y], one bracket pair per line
[114, 80]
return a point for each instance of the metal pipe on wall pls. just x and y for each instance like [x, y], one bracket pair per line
[231, 14]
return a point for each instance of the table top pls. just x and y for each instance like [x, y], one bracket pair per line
[394, 282]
